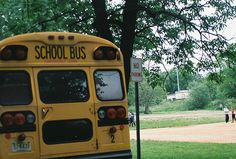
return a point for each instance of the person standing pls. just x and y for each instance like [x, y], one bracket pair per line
[233, 114]
[130, 118]
[226, 111]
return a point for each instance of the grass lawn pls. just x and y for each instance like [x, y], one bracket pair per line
[145, 124]
[184, 150]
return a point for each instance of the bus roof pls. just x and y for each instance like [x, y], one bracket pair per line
[43, 37]
[56, 48]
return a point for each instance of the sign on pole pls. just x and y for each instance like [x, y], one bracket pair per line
[136, 76]
[136, 69]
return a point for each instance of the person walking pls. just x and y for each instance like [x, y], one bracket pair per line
[226, 111]
[133, 119]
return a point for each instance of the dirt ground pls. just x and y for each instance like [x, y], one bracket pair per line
[213, 133]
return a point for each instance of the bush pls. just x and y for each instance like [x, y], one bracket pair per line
[218, 104]
[199, 96]
[132, 109]
[230, 103]
[215, 105]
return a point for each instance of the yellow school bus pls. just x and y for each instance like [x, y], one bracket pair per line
[62, 95]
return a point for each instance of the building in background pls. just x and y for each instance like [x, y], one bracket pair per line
[178, 95]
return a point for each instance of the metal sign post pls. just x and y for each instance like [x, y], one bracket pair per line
[137, 121]
[136, 76]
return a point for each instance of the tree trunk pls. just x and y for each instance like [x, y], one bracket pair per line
[101, 21]
[147, 110]
[128, 35]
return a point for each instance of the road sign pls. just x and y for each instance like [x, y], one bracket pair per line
[136, 69]
[136, 76]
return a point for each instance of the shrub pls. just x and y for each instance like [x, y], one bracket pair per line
[199, 96]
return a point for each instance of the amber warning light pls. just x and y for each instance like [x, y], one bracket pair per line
[14, 52]
[105, 53]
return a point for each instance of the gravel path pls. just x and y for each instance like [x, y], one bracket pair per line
[213, 133]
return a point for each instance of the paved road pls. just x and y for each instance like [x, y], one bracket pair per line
[213, 133]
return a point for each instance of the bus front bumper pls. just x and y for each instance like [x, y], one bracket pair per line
[110, 155]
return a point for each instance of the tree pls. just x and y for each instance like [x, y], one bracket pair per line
[184, 80]
[148, 96]
[174, 32]
[225, 77]
[199, 95]
[228, 85]
[228, 57]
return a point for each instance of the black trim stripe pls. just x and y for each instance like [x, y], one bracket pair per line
[24, 128]
[112, 122]
[110, 155]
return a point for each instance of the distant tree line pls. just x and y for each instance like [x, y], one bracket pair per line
[206, 91]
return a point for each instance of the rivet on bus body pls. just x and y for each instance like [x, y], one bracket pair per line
[8, 136]
[21, 137]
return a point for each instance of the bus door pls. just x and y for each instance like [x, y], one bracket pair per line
[66, 110]
[18, 111]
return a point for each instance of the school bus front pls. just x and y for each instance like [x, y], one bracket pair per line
[62, 95]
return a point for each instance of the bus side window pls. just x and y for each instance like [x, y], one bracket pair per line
[108, 85]
[15, 88]
[63, 86]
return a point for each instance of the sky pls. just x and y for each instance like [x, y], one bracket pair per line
[230, 30]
